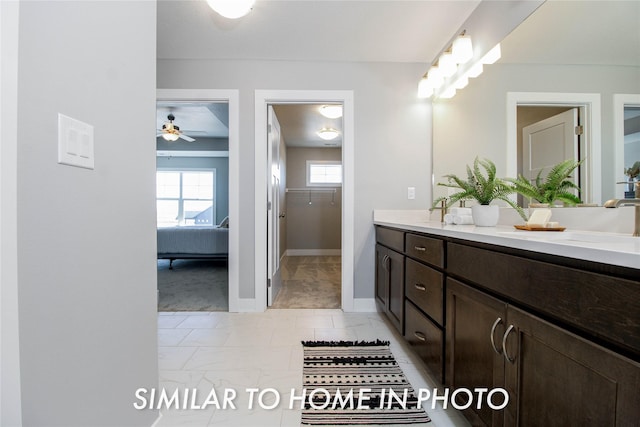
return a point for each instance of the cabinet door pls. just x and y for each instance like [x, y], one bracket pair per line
[471, 360]
[558, 378]
[382, 277]
[396, 290]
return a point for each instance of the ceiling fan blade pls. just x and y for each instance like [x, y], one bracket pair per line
[186, 138]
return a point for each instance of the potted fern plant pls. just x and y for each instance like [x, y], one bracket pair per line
[482, 187]
[556, 186]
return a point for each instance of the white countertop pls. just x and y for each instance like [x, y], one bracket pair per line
[608, 248]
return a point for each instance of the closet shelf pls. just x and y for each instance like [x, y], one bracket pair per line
[308, 190]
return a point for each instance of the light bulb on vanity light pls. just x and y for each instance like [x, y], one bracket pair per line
[447, 64]
[462, 49]
[425, 89]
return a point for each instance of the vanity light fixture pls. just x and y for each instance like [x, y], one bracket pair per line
[328, 134]
[331, 111]
[460, 79]
[232, 9]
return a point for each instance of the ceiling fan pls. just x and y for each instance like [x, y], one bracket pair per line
[171, 132]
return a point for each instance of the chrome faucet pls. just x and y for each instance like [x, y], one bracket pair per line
[635, 202]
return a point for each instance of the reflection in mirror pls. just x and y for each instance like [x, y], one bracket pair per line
[562, 48]
[631, 135]
[626, 117]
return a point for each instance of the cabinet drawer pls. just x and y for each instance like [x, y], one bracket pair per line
[390, 238]
[423, 285]
[426, 339]
[425, 248]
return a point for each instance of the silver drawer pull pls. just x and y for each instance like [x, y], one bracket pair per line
[420, 336]
[420, 248]
[420, 287]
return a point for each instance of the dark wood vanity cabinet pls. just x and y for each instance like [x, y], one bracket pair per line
[553, 377]
[561, 336]
[389, 283]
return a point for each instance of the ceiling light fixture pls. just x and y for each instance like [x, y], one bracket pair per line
[331, 111]
[171, 137]
[328, 134]
[232, 9]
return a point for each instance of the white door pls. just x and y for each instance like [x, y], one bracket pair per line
[549, 142]
[274, 280]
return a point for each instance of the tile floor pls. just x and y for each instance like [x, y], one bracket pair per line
[262, 350]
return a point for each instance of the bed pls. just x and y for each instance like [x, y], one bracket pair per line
[193, 243]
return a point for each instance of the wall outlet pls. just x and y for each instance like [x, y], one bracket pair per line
[411, 193]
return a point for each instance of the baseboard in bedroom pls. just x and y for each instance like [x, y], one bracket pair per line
[314, 252]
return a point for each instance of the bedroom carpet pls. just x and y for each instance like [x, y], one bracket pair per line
[310, 282]
[193, 285]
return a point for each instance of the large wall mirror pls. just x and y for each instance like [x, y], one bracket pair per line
[582, 55]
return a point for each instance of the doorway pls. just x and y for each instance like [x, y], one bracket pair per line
[208, 163]
[262, 176]
[305, 198]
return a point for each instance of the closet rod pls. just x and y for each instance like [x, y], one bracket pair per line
[307, 190]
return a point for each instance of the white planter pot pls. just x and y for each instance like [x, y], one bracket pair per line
[485, 215]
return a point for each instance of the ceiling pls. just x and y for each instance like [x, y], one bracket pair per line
[412, 31]
[195, 119]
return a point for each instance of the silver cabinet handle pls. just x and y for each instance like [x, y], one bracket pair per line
[420, 287]
[420, 248]
[420, 336]
[385, 262]
[504, 344]
[493, 331]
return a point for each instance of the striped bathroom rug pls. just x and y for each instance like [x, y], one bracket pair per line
[356, 383]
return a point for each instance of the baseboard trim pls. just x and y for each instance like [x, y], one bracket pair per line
[245, 305]
[157, 421]
[313, 252]
[364, 305]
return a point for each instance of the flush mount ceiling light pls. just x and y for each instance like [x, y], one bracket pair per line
[331, 111]
[232, 9]
[328, 134]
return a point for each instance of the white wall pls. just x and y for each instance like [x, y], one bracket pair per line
[86, 238]
[473, 123]
[10, 395]
[392, 138]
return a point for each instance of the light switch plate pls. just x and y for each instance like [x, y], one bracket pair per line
[411, 193]
[75, 142]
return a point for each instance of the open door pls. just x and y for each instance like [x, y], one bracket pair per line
[549, 142]
[274, 280]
